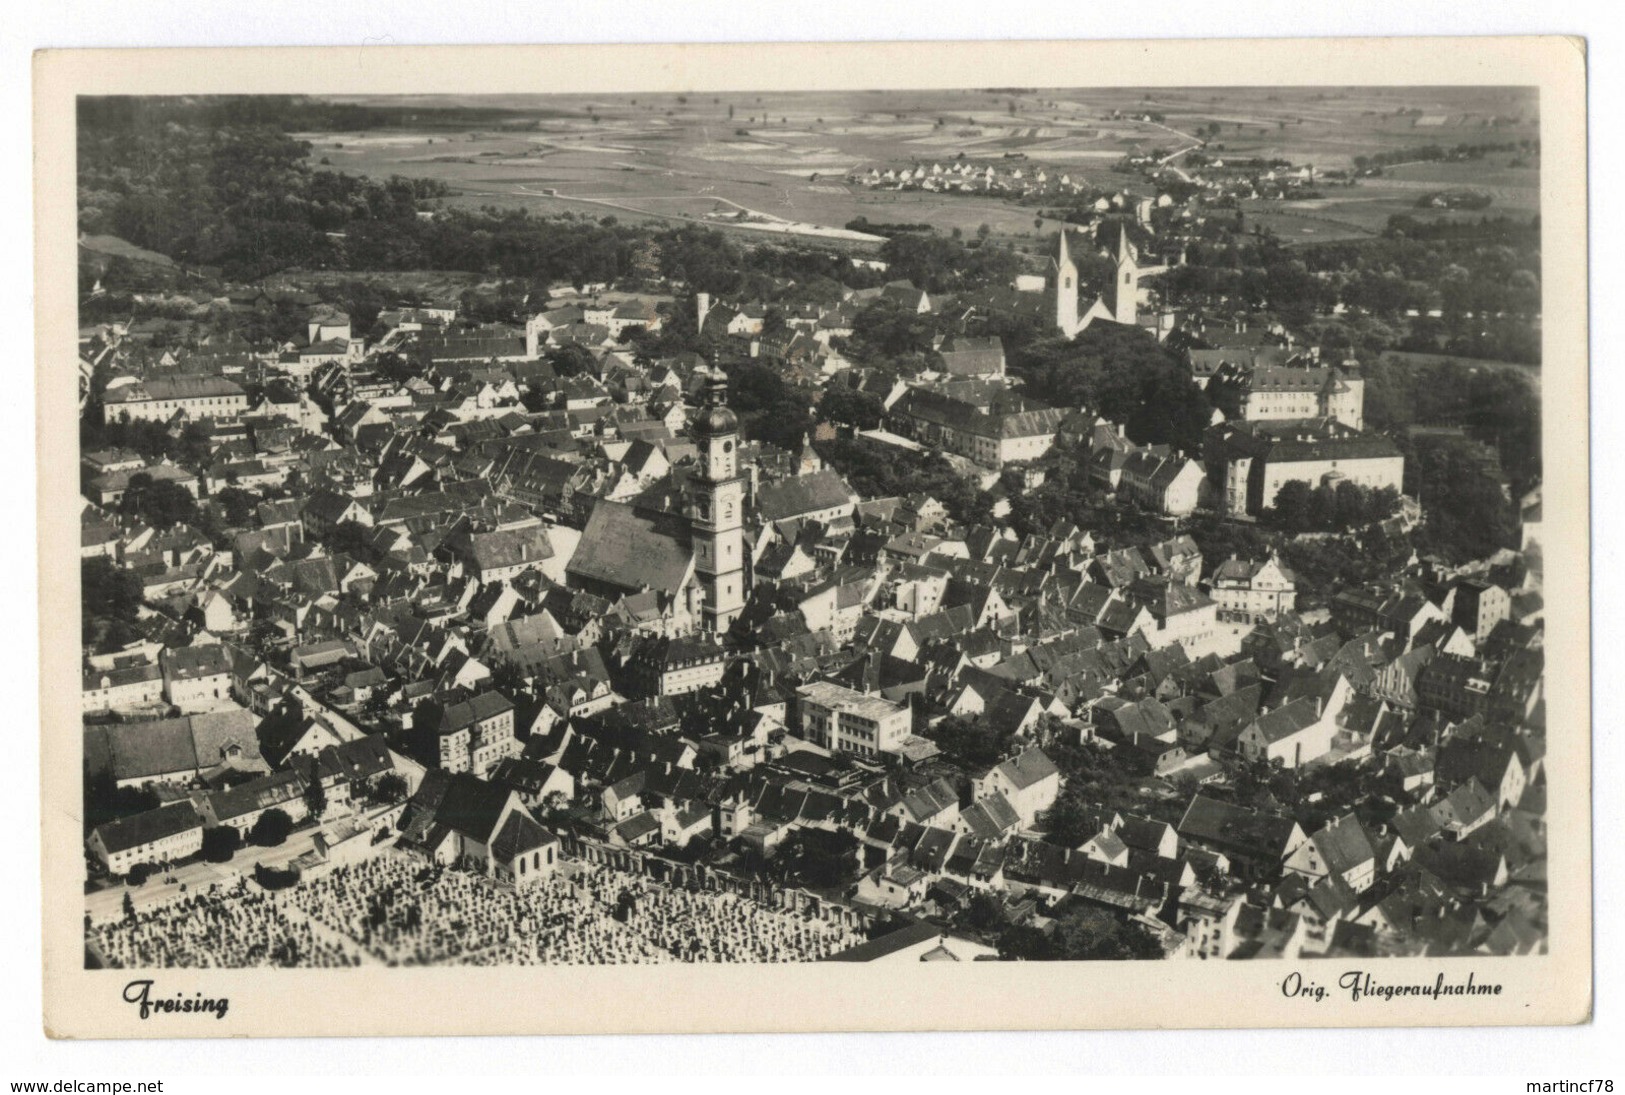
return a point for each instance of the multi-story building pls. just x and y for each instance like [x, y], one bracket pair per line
[122, 689]
[470, 736]
[846, 721]
[1477, 605]
[196, 678]
[1456, 685]
[663, 666]
[1275, 393]
[1249, 462]
[1246, 589]
[156, 836]
[1170, 483]
[992, 432]
[1029, 781]
[157, 399]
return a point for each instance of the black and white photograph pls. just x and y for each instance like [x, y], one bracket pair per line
[1042, 524]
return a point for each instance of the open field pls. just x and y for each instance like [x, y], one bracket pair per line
[1352, 212]
[786, 155]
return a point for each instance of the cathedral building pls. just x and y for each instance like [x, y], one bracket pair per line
[686, 549]
[1119, 302]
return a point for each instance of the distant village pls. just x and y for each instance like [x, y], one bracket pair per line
[576, 634]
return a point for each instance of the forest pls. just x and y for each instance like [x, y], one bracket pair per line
[1122, 375]
[1483, 280]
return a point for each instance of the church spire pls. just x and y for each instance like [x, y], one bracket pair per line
[1066, 289]
[1126, 282]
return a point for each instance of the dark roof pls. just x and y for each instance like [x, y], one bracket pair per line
[891, 943]
[1287, 720]
[141, 750]
[803, 494]
[990, 818]
[453, 717]
[1291, 440]
[519, 834]
[468, 805]
[144, 828]
[1236, 827]
[192, 662]
[1027, 768]
[259, 794]
[1344, 844]
[632, 549]
[173, 387]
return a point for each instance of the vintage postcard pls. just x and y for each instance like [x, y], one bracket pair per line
[814, 537]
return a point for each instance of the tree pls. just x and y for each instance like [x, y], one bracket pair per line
[1024, 943]
[315, 793]
[389, 787]
[1468, 512]
[768, 408]
[1071, 821]
[129, 907]
[1123, 374]
[572, 359]
[1091, 934]
[396, 368]
[983, 913]
[970, 742]
[269, 878]
[139, 873]
[1293, 505]
[271, 829]
[221, 843]
[1322, 507]
[109, 601]
[237, 505]
[161, 504]
[862, 410]
[1353, 510]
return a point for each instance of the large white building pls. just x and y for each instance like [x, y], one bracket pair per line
[1249, 462]
[1274, 393]
[157, 399]
[846, 721]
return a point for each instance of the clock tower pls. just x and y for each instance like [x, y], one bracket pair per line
[717, 509]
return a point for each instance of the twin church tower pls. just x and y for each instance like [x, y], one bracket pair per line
[1119, 302]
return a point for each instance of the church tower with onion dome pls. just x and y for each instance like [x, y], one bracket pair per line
[717, 513]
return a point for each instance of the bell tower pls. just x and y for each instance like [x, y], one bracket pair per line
[1066, 290]
[717, 513]
[1126, 286]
